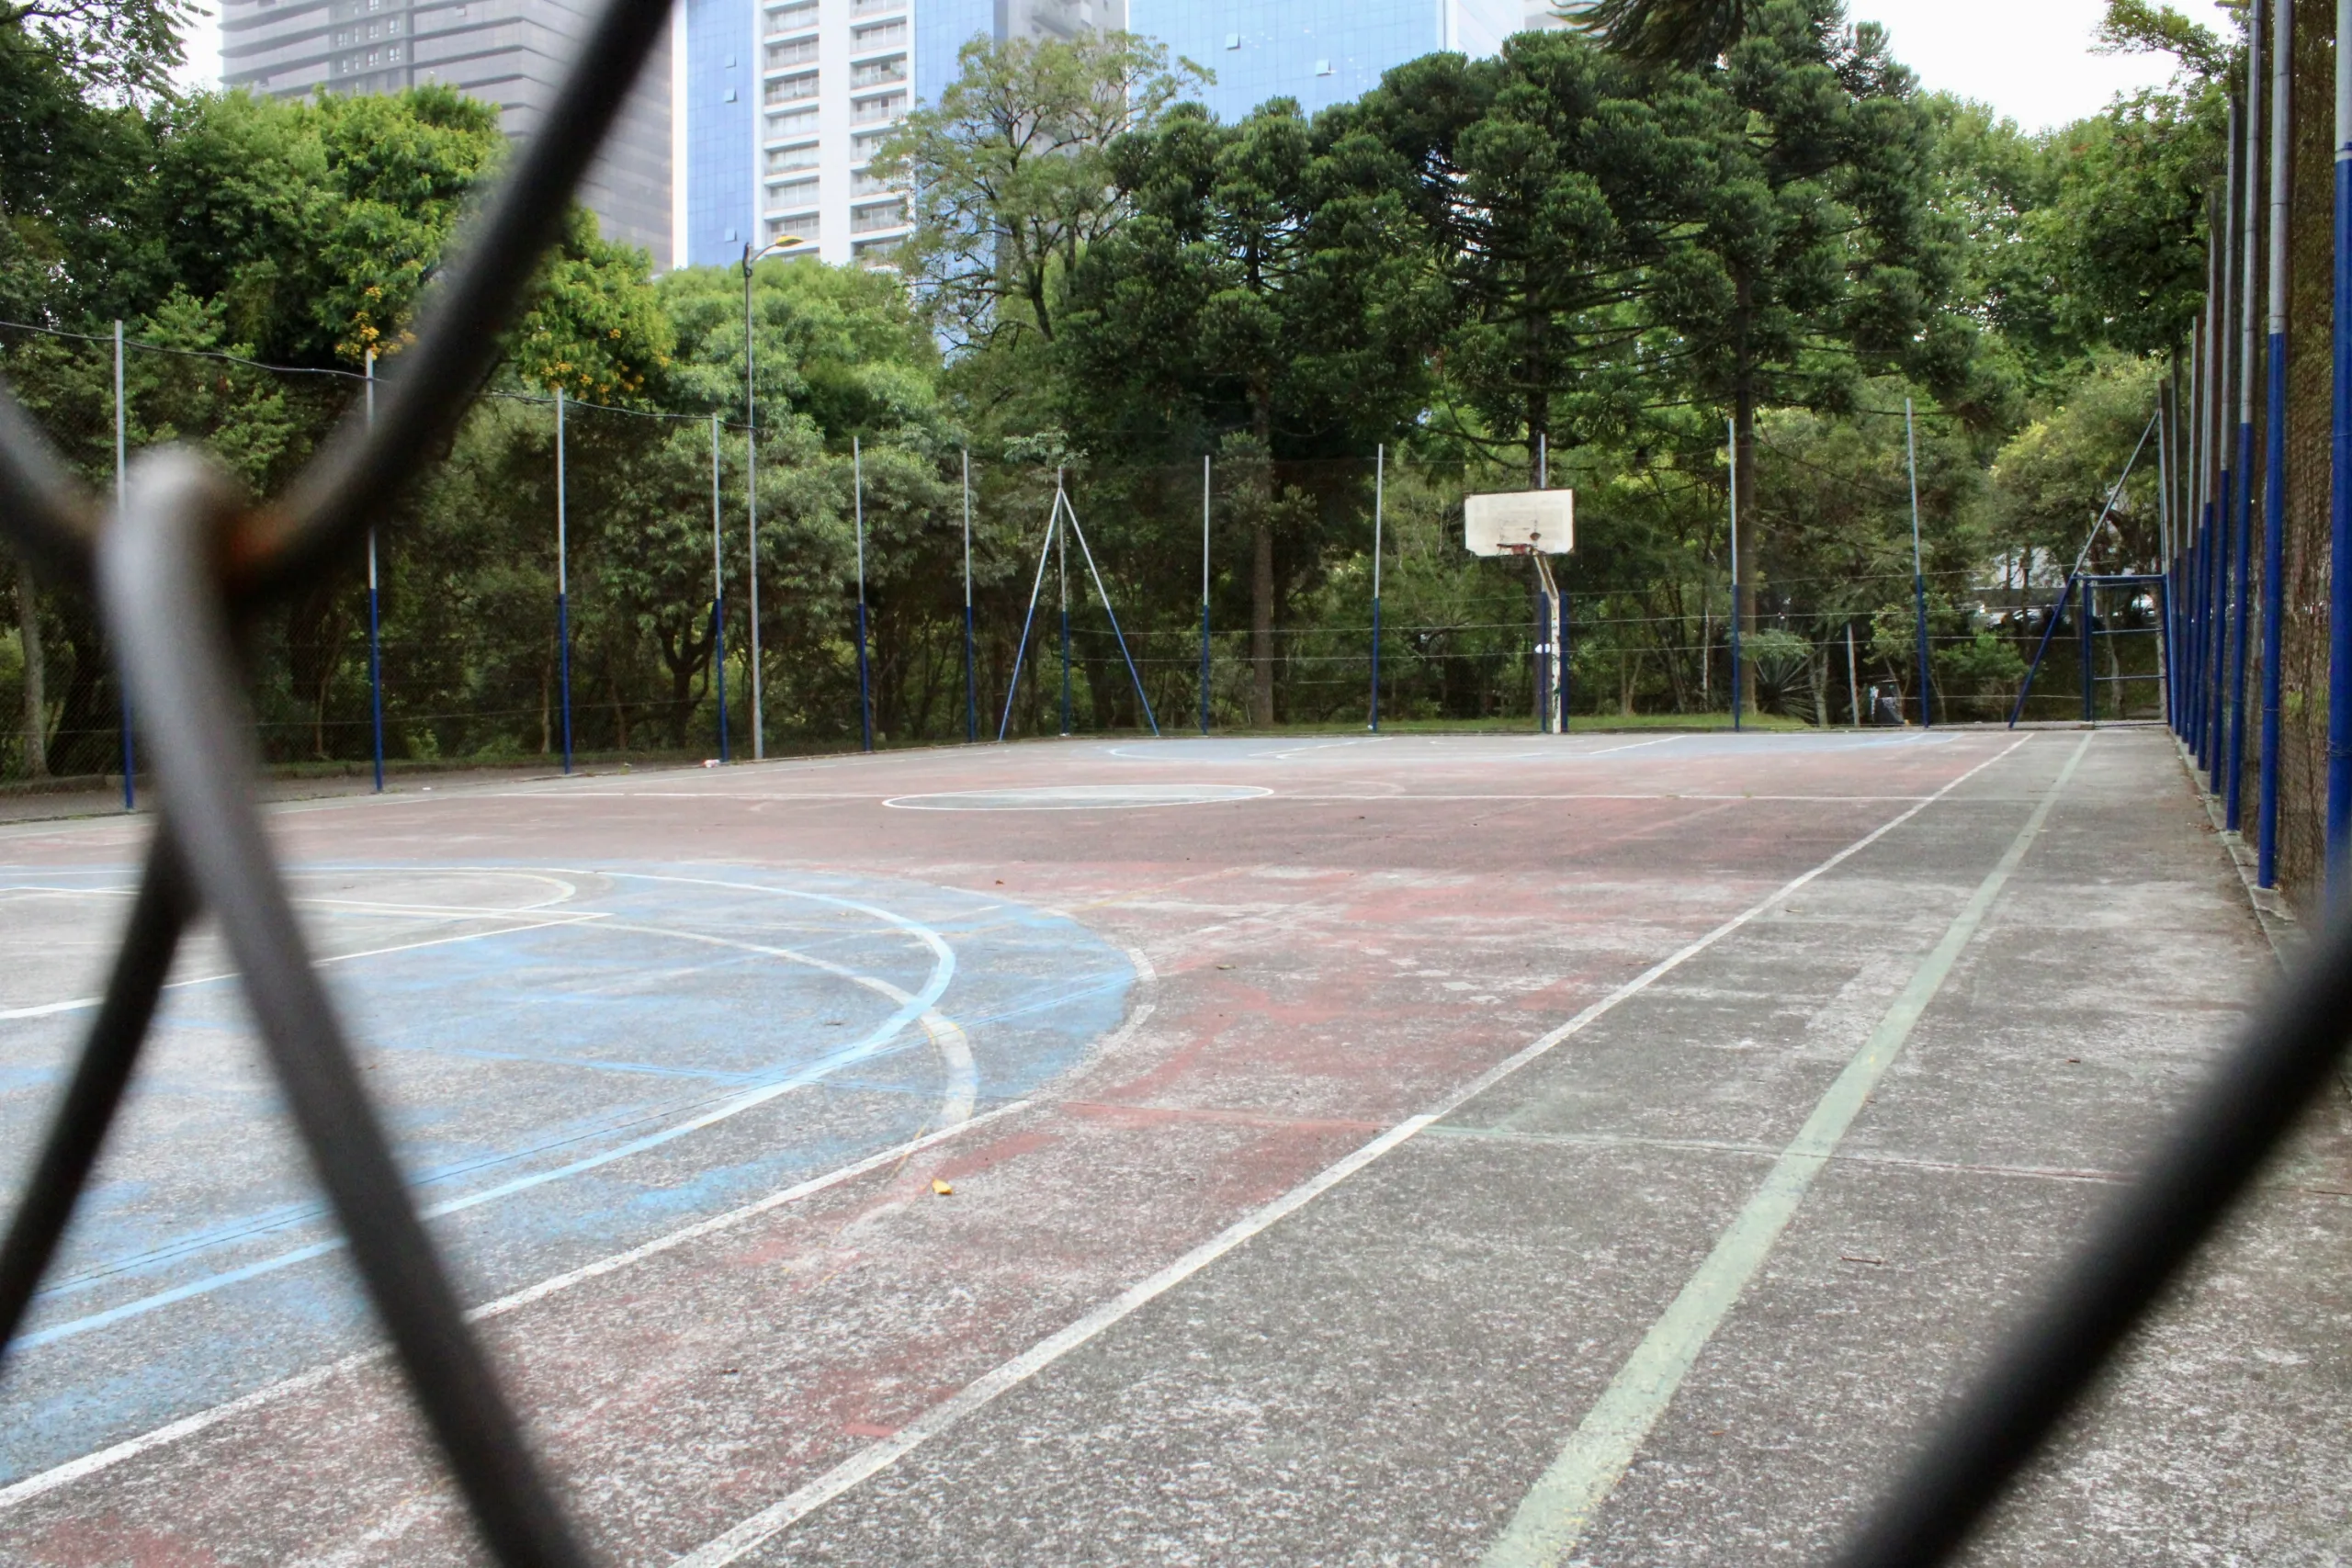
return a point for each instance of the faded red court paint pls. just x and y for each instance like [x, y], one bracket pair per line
[1393, 928]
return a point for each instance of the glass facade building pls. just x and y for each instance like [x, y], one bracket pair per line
[513, 54]
[1319, 52]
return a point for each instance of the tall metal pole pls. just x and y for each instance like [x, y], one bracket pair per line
[2209, 484]
[1205, 592]
[375, 623]
[2274, 471]
[121, 468]
[2226, 371]
[718, 594]
[2250, 243]
[1919, 571]
[751, 516]
[1733, 427]
[1379, 500]
[563, 582]
[2164, 651]
[2339, 622]
[864, 681]
[971, 664]
[1853, 679]
[1061, 567]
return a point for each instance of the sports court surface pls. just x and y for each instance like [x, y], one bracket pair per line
[1398, 1150]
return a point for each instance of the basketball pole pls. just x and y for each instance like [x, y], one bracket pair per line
[1561, 677]
[375, 620]
[1379, 495]
[1733, 427]
[1205, 592]
[718, 595]
[2273, 476]
[1918, 570]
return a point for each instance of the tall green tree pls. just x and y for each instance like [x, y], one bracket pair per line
[1011, 174]
[1816, 255]
[1271, 283]
[1548, 181]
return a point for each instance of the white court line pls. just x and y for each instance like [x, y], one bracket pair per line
[1560, 1507]
[915, 1007]
[79, 1003]
[773, 1520]
[71, 1470]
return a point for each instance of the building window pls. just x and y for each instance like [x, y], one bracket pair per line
[879, 216]
[803, 227]
[796, 122]
[1322, 68]
[876, 7]
[874, 252]
[799, 52]
[728, 96]
[783, 160]
[879, 35]
[866, 143]
[793, 89]
[874, 111]
[792, 19]
[864, 182]
[1233, 40]
[874, 73]
[791, 194]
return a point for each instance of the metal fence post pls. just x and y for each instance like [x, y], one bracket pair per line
[2339, 626]
[865, 683]
[2273, 478]
[718, 596]
[375, 617]
[1379, 500]
[121, 467]
[971, 663]
[563, 582]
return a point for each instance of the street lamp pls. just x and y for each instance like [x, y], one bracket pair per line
[752, 483]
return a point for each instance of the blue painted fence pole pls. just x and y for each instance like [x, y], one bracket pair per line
[1379, 500]
[562, 584]
[718, 594]
[2274, 473]
[2339, 640]
[865, 687]
[1205, 593]
[2241, 619]
[2225, 516]
[1918, 572]
[1732, 426]
[971, 662]
[122, 465]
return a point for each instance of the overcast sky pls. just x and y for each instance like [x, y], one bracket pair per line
[2029, 59]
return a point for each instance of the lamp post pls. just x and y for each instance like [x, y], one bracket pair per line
[751, 489]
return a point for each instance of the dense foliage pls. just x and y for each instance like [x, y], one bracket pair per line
[1613, 257]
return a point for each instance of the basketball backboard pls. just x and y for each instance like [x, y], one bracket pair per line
[1523, 523]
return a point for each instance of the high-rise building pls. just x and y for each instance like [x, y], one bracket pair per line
[1319, 52]
[513, 54]
[786, 100]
